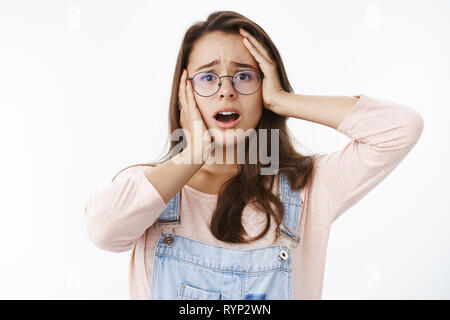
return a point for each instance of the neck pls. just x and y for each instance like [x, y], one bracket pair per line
[223, 162]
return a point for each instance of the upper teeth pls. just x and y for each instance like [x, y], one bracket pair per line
[226, 113]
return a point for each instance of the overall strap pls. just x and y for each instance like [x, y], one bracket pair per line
[171, 213]
[292, 203]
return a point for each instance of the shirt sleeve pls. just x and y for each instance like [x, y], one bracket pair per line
[382, 134]
[119, 213]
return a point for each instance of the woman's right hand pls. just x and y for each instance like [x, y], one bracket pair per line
[189, 116]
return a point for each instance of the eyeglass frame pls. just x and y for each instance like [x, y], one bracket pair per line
[260, 76]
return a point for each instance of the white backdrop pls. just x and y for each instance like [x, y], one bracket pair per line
[84, 92]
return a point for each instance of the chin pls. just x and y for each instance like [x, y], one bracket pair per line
[229, 137]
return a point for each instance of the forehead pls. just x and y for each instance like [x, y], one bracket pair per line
[221, 46]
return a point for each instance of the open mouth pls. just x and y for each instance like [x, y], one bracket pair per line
[227, 116]
[227, 119]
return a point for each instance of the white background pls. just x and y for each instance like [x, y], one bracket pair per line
[84, 92]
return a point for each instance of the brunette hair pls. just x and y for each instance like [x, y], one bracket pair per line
[248, 185]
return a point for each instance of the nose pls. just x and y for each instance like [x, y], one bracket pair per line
[226, 87]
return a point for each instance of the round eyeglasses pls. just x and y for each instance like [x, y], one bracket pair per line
[245, 82]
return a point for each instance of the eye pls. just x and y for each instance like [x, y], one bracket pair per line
[244, 76]
[208, 77]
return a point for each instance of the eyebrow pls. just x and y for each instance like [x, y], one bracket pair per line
[235, 63]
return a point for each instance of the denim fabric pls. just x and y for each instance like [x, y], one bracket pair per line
[189, 269]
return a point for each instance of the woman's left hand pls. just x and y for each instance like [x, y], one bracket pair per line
[271, 85]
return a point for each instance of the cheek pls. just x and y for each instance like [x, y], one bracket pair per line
[206, 115]
[202, 107]
[256, 116]
[253, 113]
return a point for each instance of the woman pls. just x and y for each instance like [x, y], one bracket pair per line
[203, 228]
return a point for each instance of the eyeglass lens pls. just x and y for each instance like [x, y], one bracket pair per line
[208, 83]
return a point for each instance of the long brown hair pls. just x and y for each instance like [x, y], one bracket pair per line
[248, 185]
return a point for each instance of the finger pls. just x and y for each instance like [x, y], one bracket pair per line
[192, 102]
[256, 44]
[182, 90]
[262, 61]
[190, 93]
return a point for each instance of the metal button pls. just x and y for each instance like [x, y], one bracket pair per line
[283, 255]
[168, 240]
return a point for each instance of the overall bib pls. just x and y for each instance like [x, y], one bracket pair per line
[188, 269]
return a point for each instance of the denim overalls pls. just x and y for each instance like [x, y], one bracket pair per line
[188, 269]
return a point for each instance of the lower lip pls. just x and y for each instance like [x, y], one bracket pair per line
[227, 125]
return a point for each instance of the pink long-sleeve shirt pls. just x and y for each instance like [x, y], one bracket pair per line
[120, 216]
